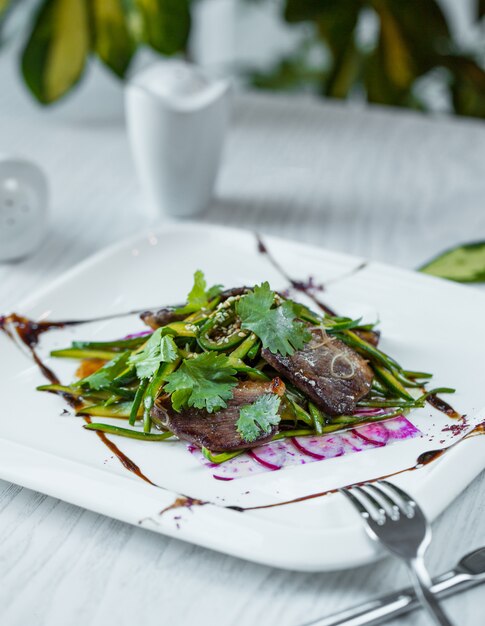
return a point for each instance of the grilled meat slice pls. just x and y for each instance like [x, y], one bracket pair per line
[333, 375]
[216, 431]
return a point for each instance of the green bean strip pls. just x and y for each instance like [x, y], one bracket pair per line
[118, 411]
[254, 351]
[301, 414]
[406, 382]
[421, 400]
[72, 391]
[115, 346]
[413, 375]
[140, 392]
[126, 432]
[220, 458]
[354, 341]
[391, 382]
[336, 327]
[220, 319]
[299, 432]
[180, 329]
[242, 350]
[153, 389]
[318, 418]
[355, 419]
[73, 353]
[252, 372]
[378, 404]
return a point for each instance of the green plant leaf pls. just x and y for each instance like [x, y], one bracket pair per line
[423, 26]
[464, 264]
[204, 382]
[481, 8]
[468, 85]
[258, 418]
[165, 24]
[113, 41]
[336, 26]
[305, 10]
[396, 53]
[4, 5]
[54, 57]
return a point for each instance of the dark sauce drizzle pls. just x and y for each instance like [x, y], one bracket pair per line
[439, 404]
[28, 332]
[306, 287]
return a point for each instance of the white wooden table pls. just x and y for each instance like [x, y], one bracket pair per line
[390, 185]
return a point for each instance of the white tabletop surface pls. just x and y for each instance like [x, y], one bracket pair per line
[389, 185]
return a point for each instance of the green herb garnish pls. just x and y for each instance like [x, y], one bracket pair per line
[158, 349]
[204, 382]
[258, 417]
[199, 295]
[104, 377]
[276, 326]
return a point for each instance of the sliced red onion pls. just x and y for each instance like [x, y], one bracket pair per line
[376, 433]
[323, 447]
[401, 428]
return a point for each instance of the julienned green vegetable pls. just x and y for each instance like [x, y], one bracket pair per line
[205, 376]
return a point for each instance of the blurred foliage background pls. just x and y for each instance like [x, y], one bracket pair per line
[409, 41]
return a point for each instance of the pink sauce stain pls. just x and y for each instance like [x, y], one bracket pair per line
[301, 450]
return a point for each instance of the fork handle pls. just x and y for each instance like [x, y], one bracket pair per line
[422, 585]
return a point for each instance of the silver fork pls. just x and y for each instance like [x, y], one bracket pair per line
[395, 520]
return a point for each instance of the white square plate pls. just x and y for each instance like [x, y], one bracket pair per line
[427, 324]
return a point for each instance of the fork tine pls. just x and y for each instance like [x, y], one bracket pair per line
[377, 506]
[356, 502]
[395, 511]
[409, 504]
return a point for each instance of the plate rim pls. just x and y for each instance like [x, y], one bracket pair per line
[351, 534]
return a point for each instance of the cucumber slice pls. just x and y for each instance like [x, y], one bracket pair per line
[464, 264]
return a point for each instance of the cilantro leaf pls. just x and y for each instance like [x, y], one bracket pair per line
[168, 349]
[102, 378]
[257, 418]
[277, 327]
[199, 295]
[158, 349]
[204, 382]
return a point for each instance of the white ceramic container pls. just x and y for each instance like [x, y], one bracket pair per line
[176, 118]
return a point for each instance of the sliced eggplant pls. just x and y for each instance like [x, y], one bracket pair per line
[162, 317]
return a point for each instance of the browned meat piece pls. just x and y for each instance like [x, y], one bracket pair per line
[235, 291]
[333, 375]
[155, 319]
[216, 431]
